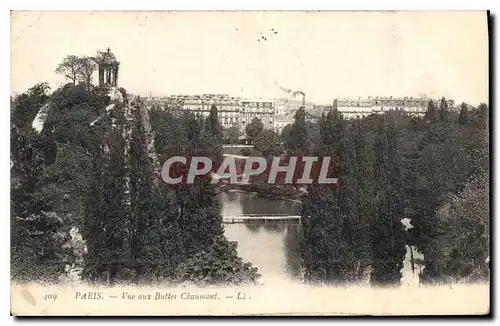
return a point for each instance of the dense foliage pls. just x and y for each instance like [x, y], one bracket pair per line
[92, 170]
[86, 191]
[431, 170]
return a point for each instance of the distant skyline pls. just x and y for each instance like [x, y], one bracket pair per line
[323, 54]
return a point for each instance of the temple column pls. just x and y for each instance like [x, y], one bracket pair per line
[108, 80]
[115, 77]
[101, 77]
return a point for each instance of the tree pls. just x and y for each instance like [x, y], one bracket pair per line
[70, 68]
[73, 108]
[212, 124]
[359, 192]
[85, 69]
[331, 127]
[314, 135]
[142, 212]
[267, 142]
[231, 133]
[431, 113]
[153, 232]
[124, 94]
[162, 249]
[26, 105]
[105, 212]
[465, 249]
[330, 252]
[393, 166]
[78, 69]
[462, 118]
[337, 220]
[37, 233]
[27, 172]
[67, 180]
[204, 255]
[254, 128]
[285, 134]
[443, 109]
[439, 160]
[37, 253]
[217, 264]
[388, 238]
[483, 113]
[299, 134]
[99, 178]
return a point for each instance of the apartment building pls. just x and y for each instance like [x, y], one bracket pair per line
[275, 114]
[228, 107]
[257, 108]
[285, 112]
[361, 107]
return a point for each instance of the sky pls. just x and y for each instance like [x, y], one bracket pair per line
[323, 54]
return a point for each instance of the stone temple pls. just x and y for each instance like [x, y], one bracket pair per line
[108, 69]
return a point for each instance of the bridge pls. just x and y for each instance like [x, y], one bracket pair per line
[228, 219]
[237, 146]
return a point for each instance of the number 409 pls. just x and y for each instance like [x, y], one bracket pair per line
[51, 296]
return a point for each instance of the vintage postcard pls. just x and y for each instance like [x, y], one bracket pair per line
[249, 163]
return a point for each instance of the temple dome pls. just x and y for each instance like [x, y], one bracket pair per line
[106, 57]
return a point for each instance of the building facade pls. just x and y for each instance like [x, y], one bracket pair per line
[285, 112]
[361, 107]
[228, 107]
[256, 108]
[232, 111]
[275, 114]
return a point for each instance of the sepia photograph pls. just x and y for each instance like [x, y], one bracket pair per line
[237, 163]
